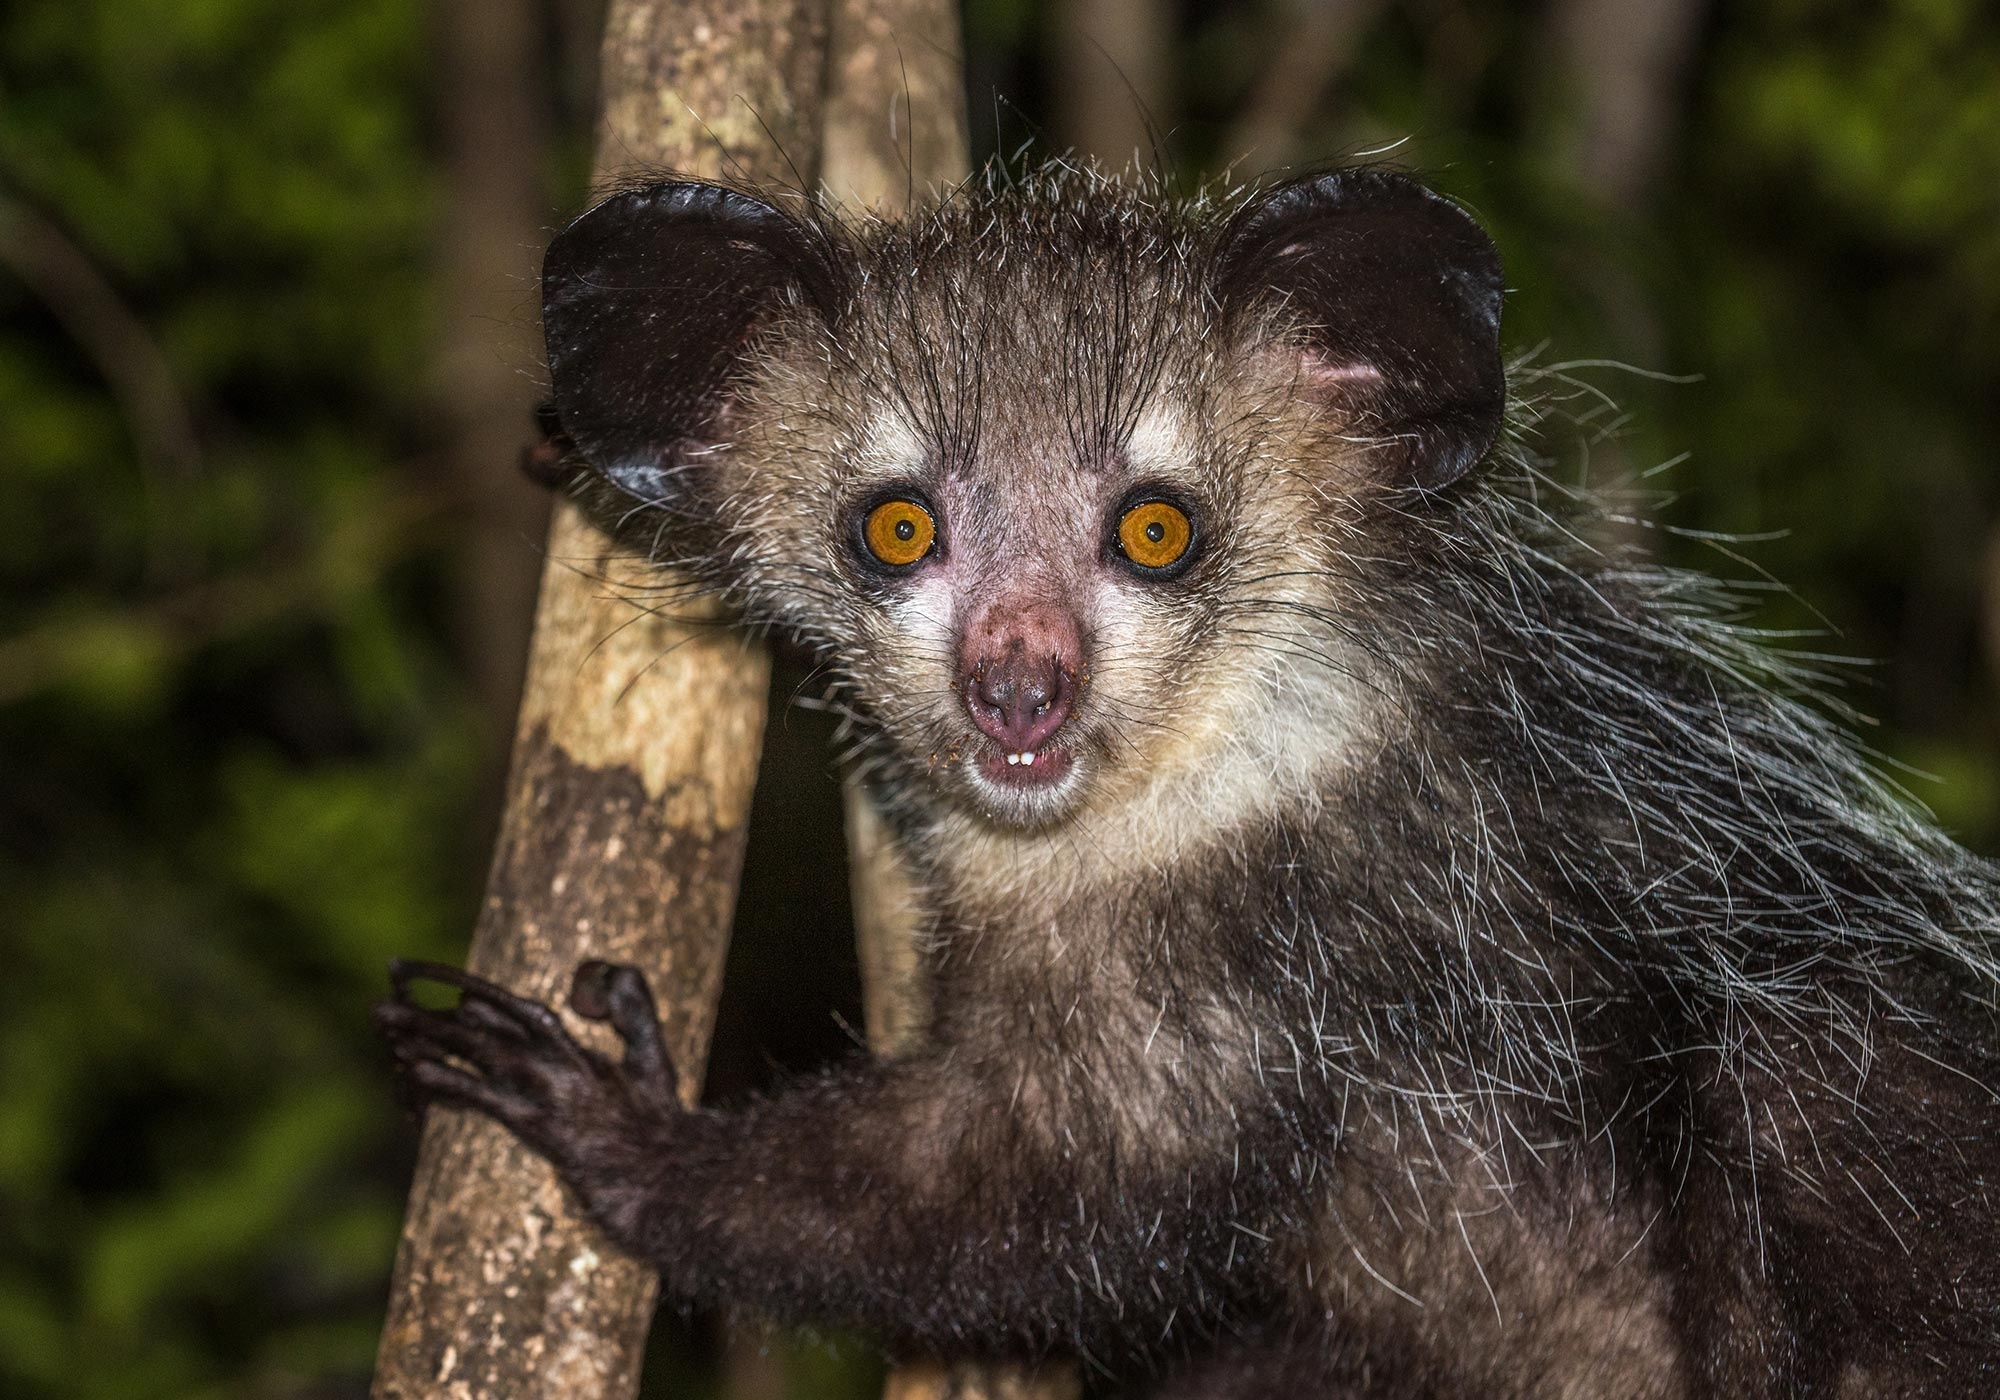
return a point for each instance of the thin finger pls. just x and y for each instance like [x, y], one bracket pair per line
[444, 1032]
[531, 1013]
[441, 1083]
[487, 1017]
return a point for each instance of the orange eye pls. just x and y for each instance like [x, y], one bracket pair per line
[1155, 534]
[899, 532]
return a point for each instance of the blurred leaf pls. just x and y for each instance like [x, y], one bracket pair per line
[205, 1224]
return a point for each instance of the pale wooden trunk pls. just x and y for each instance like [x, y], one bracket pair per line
[637, 744]
[622, 838]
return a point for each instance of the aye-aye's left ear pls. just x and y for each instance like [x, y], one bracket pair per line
[1391, 294]
[651, 304]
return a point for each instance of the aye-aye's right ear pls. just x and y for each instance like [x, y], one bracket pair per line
[649, 304]
[1390, 297]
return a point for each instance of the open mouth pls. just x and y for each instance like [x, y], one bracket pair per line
[1025, 770]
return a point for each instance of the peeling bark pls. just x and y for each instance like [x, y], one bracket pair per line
[623, 832]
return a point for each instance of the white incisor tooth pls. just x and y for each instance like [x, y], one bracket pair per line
[1028, 758]
[1012, 759]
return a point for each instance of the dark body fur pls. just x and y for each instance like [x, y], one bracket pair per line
[1466, 965]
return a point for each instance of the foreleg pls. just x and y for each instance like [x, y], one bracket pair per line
[908, 1197]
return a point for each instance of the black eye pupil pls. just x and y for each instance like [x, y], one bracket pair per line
[1156, 532]
[906, 529]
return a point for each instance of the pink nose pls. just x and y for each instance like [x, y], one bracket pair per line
[1018, 700]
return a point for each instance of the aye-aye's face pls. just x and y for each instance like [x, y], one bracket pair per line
[1055, 478]
[1067, 565]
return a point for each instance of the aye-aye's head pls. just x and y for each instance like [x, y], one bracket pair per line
[1059, 479]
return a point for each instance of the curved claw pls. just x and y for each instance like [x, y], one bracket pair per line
[507, 1040]
[514, 1060]
[441, 1058]
[489, 996]
[411, 1030]
[497, 1048]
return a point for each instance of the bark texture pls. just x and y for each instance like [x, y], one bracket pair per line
[622, 837]
[895, 102]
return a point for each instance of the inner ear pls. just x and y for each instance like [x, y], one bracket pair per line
[1336, 376]
[651, 306]
[1389, 297]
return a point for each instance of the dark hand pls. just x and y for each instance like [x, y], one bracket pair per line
[513, 1059]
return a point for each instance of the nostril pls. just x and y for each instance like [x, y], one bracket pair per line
[988, 696]
[1016, 702]
[996, 691]
[1053, 690]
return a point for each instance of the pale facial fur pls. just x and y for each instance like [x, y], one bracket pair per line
[1206, 699]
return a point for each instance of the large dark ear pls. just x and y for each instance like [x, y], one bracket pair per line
[649, 303]
[1391, 294]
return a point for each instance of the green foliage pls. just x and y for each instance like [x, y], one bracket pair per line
[1821, 255]
[240, 757]
[242, 761]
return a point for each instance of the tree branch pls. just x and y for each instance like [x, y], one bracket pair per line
[635, 753]
[62, 276]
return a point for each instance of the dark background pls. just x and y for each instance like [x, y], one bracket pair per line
[266, 350]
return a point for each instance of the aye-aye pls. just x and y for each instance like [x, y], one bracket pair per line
[1388, 938]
